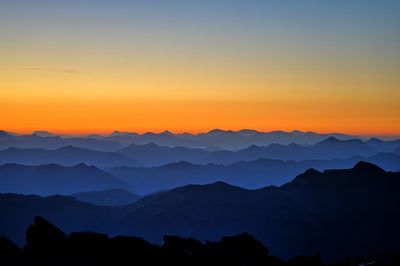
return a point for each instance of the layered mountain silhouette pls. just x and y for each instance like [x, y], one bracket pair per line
[48, 245]
[338, 213]
[55, 179]
[66, 156]
[225, 139]
[222, 139]
[246, 174]
[152, 154]
[152, 149]
[50, 141]
[109, 197]
[383, 146]
[330, 148]
[229, 139]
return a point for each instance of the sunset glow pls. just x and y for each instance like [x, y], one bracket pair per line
[70, 67]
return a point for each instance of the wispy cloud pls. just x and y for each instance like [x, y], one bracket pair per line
[60, 70]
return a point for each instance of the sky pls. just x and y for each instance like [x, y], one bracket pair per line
[81, 66]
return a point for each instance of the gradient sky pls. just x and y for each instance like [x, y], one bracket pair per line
[98, 66]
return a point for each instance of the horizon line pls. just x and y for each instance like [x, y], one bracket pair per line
[194, 132]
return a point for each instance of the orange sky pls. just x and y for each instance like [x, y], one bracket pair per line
[237, 68]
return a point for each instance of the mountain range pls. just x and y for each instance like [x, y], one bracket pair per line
[108, 197]
[214, 139]
[152, 154]
[223, 139]
[338, 213]
[52, 141]
[331, 148]
[55, 179]
[48, 245]
[246, 174]
[66, 156]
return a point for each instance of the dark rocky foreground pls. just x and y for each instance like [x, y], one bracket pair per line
[47, 245]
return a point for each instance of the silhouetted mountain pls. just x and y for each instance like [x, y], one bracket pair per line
[338, 213]
[222, 139]
[55, 179]
[387, 161]
[165, 139]
[125, 138]
[66, 156]
[4, 136]
[119, 133]
[48, 245]
[17, 212]
[383, 146]
[243, 138]
[153, 155]
[246, 174]
[216, 138]
[39, 140]
[109, 197]
[43, 133]
[330, 148]
[335, 148]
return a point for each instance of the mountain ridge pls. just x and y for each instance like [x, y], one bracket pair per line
[315, 212]
[55, 179]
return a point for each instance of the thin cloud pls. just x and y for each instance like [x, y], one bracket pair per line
[60, 70]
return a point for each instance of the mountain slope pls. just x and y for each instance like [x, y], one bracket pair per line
[330, 148]
[109, 197]
[50, 141]
[18, 211]
[246, 174]
[339, 213]
[154, 155]
[230, 140]
[66, 156]
[335, 212]
[55, 179]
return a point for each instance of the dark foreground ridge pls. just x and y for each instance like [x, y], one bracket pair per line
[48, 245]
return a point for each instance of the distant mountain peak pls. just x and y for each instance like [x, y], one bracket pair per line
[247, 131]
[180, 164]
[218, 131]
[376, 140]
[306, 178]
[312, 171]
[121, 133]
[151, 145]
[330, 139]
[166, 132]
[296, 132]
[117, 133]
[219, 185]
[69, 148]
[4, 134]
[366, 166]
[252, 147]
[81, 165]
[43, 133]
